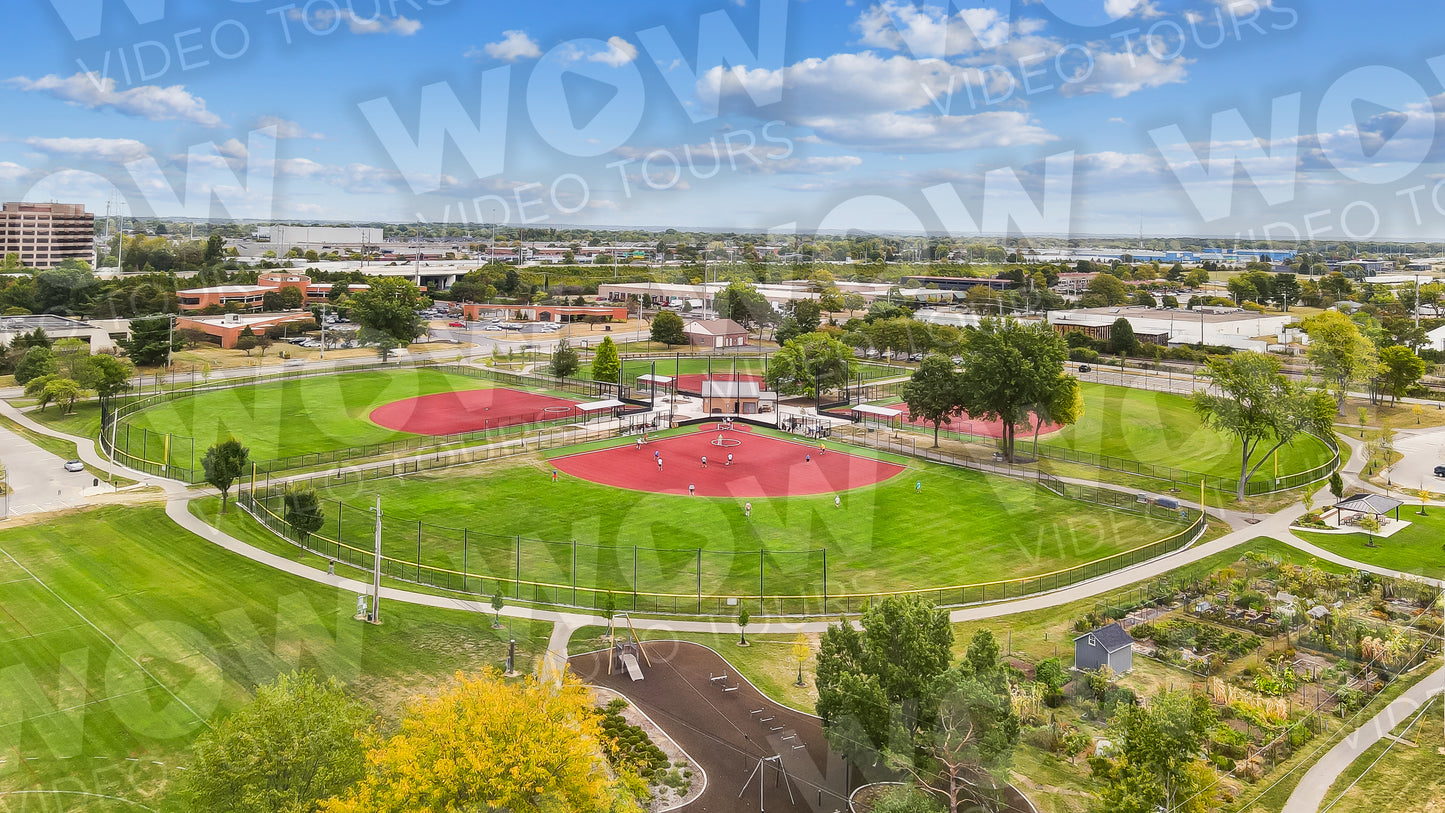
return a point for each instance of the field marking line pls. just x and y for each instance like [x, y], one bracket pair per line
[107, 637]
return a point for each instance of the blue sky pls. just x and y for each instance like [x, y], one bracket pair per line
[1264, 118]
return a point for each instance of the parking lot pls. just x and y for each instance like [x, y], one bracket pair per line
[38, 479]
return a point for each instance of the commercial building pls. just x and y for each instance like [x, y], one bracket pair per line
[47, 234]
[1221, 327]
[57, 328]
[284, 238]
[716, 333]
[250, 297]
[476, 312]
[228, 328]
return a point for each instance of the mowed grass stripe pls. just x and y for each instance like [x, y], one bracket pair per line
[961, 528]
[297, 416]
[1163, 428]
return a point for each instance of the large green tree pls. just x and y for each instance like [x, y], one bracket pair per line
[808, 363]
[107, 375]
[742, 303]
[390, 306]
[37, 362]
[1251, 400]
[1157, 764]
[223, 464]
[1008, 369]
[667, 328]
[1063, 406]
[152, 341]
[1121, 338]
[1400, 369]
[303, 511]
[291, 747]
[564, 360]
[1339, 353]
[607, 363]
[877, 686]
[932, 393]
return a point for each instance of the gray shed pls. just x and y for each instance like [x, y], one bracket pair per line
[1110, 646]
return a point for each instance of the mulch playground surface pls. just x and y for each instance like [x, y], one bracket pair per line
[762, 466]
[726, 733]
[960, 423]
[447, 413]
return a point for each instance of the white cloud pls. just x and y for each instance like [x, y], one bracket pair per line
[1121, 73]
[286, 129]
[151, 102]
[871, 102]
[10, 171]
[105, 149]
[513, 45]
[925, 31]
[619, 52]
[328, 19]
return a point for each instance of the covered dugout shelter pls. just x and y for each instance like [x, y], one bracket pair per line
[877, 416]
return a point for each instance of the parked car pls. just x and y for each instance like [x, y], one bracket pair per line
[74, 465]
[1083, 368]
[1440, 471]
[456, 324]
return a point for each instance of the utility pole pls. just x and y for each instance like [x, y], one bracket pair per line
[376, 570]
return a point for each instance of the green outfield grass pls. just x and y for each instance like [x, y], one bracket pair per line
[1416, 549]
[1162, 428]
[124, 636]
[963, 528]
[296, 416]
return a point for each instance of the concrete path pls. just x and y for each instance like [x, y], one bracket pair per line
[1310, 793]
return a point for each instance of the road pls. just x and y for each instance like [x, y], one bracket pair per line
[38, 480]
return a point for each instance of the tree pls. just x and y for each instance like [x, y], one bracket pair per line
[607, 364]
[36, 363]
[1337, 485]
[1157, 766]
[487, 744]
[742, 303]
[1064, 407]
[744, 618]
[932, 392]
[107, 375]
[1400, 369]
[877, 687]
[1339, 352]
[292, 746]
[667, 328]
[1106, 290]
[497, 605]
[1121, 338]
[35, 388]
[1008, 368]
[809, 363]
[1196, 278]
[152, 341]
[386, 344]
[223, 463]
[247, 341]
[564, 360]
[807, 314]
[1258, 405]
[389, 306]
[303, 512]
[64, 391]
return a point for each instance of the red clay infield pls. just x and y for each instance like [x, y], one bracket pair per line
[960, 423]
[692, 382]
[447, 413]
[762, 466]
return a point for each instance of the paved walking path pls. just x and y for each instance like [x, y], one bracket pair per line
[1310, 793]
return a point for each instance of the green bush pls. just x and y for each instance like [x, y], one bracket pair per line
[907, 799]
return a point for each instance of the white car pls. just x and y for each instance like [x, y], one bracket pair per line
[74, 465]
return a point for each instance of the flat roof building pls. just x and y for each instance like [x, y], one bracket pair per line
[47, 234]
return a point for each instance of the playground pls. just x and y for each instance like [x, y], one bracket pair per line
[448, 413]
[761, 466]
[745, 743]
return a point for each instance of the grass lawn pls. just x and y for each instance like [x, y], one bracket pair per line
[1406, 780]
[1417, 549]
[969, 528]
[292, 417]
[1162, 428]
[83, 422]
[125, 636]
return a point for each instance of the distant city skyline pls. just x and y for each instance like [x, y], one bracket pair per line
[1221, 119]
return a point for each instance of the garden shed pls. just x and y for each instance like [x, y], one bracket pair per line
[1110, 646]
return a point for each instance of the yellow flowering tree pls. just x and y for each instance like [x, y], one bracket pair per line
[487, 744]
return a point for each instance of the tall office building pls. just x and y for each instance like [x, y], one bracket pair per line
[45, 234]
